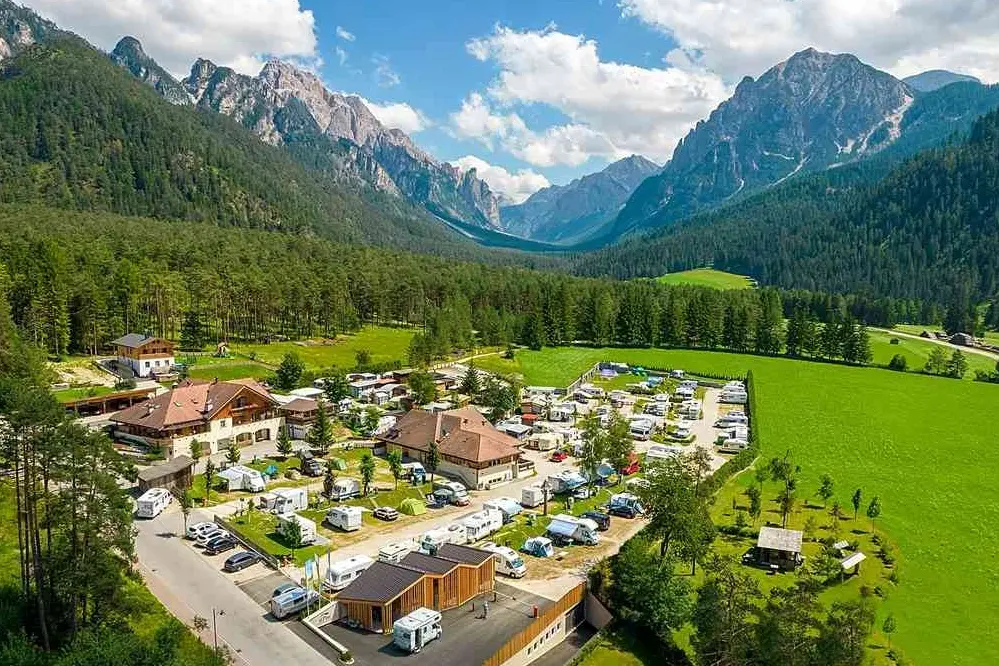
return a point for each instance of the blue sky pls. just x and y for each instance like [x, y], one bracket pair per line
[537, 91]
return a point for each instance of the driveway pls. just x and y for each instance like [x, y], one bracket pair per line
[189, 584]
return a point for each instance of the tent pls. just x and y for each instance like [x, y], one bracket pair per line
[412, 507]
[338, 463]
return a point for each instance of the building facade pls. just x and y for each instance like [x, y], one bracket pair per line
[144, 355]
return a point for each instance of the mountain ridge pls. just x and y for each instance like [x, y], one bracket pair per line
[934, 79]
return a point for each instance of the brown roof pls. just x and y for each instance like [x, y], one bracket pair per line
[463, 554]
[156, 472]
[460, 433]
[190, 402]
[380, 583]
[300, 405]
[428, 564]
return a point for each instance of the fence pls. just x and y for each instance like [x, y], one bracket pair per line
[520, 641]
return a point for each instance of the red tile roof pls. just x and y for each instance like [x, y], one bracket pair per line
[460, 433]
[191, 402]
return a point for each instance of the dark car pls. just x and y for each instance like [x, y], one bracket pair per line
[623, 510]
[219, 545]
[386, 513]
[601, 519]
[309, 464]
[240, 561]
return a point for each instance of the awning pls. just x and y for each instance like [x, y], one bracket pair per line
[562, 528]
[852, 561]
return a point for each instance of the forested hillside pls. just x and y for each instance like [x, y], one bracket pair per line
[80, 133]
[927, 231]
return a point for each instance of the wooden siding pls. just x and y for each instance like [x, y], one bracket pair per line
[545, 618]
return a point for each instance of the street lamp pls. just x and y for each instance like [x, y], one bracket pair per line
[215, 629]
[544, 494]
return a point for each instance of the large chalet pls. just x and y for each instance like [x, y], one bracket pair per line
[144, 355]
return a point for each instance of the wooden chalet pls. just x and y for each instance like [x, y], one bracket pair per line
[144, 355]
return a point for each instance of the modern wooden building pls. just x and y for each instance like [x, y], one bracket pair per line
[299, 415]
[144, 355]
[175, 474]
[470, 447]
[386, 592]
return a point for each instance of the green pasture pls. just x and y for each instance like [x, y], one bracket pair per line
[916, 352]
[708, 277]
[383, 343]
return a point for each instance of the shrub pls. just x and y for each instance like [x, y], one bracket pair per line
[899, 363]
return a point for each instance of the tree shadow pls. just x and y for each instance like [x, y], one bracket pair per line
[167, 535]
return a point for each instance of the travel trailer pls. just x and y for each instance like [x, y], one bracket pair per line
[345, 488]
[293, 601]
[578, 530]
[285, 500]
[346, 518]
[239, 477]
[507, 561]
[481, 524]
[152, 502]
[565, 482]
[343, 572]
[412, 632]
[533, 496]
[394, 552]
[308, 528]
[507, 506]
[432, 540]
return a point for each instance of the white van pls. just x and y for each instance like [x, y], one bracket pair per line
[342, 573]
[345, 488]
[394, 552]
[481, 524]
[293, 601]
[152, 502]
[508, 561]
[346, 518]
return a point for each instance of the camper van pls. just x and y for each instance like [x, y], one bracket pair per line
[293, 601]
[507, 506]
[394, 552]
[432, 540]
[641, 429]
[346, 518]
[343, 572]
[308, 528]
[578, 530]
[239, 477]
[733, 445]
[454, 492]
[414, 471]
[152, 502]
[345, 488]
[565, 481]
[533, 496]
[734, 418]
[508, 562]
[285, 500]
[413, 632]
[481, 524]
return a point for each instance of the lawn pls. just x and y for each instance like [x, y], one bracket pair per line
[260, 527]
[235, 369]
[617, 646]
[383, 343]
[924, 445]
[70, 394]
[916, 352]
[708, 277]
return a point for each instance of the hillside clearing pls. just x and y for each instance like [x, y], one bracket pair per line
[708, 277]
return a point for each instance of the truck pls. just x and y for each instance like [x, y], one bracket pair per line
[412, 632]
[152, 502]
[455, 492]
[240, 477]
[432, 540]
[394, 552]
[308, 464]
[285, 500]
[307, 527]
[532, 496]
[507, 506]
[573, 529]
[343, 572]
[481, 524]
[507, 561]
[415, 472]
[346, 518]
[345, 488]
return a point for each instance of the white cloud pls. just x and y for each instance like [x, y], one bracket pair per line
[513, 188]
[614, 109]
[385, 76]
[745, 37]
[399, 115]
[341, 55]
[344, 34]
[240, 34]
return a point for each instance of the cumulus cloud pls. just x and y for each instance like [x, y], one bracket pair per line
[399, 115]
[385, 76]
[614, 109]
[240, 34]
[740, 37]
[344, 34]
[513, 188]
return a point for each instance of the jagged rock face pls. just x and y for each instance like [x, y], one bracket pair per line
[387, 159]
[562, 213]
[807, 113]
[129, 54]
[20, 28]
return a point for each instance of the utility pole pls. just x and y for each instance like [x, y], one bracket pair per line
[215, 629]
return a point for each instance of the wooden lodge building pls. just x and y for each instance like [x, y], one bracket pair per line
[144, 355]
[386, 592]
[470, 447]
[218, 414]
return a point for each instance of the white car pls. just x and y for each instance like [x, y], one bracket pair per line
[197, 529]
[208, 535]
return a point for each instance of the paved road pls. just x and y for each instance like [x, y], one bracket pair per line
[942, 343]
[189, 583]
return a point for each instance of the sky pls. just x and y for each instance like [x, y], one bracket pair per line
[533, 92]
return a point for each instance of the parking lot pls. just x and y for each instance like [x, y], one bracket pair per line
[468, 637]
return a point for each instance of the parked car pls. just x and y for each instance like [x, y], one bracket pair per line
[284, 587]
[220, 545]
[623, 510]
[600, 518]
[209, 535]
[386, 513]
[584, 492]
[240, 561]
[559, 456]
[197, 529]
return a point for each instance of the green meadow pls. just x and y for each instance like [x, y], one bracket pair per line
[708, 277]
[916, 352]
[923, 444]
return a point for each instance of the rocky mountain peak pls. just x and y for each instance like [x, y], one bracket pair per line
[935, 79]
[129, 54]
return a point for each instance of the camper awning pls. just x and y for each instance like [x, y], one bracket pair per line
[562, 528]
[852, 561]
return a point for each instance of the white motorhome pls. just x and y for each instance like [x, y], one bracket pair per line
[343, 572]
[683, 430]
[394, 552]
[507, 561]
[658, 452]
[579, 530]
[656, 408]
[412, 632]
[432, 540]
[152, 502]
[456, 492]
[285, 500]
[293, 601]
[733, 397]
[732, 445]
[533, 496]
[641, 429]
[346, 518]
[307, 527]
[732, 419]
[481, 524]
[345, 488]
[240, 477]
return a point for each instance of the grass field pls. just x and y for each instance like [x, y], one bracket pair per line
[925, 445]
[708, 277]
[70, 394]
[916, 352]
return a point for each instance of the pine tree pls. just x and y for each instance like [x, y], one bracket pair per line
[470, 384]
[320, 436]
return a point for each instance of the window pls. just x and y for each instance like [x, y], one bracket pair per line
[147, 364]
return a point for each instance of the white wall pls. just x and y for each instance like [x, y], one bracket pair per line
[139, 366]
[210, 440]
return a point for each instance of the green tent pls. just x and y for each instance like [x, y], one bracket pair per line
[412, 507]
[339, 463]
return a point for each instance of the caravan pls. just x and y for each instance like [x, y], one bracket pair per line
[291, 602]
[307, 527]
[413, 632]
[394, 552]
[533, 496]
[346, 518]
[578, 530]
[481, 524]
[432, 540]
[641, 429]
[342, 573]
[285, 500]
[239, 477]
[152, 502]
[507, 506]
[345, 488]
[506, 560]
